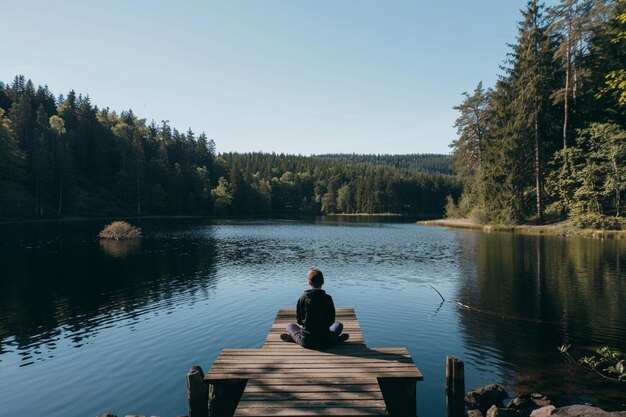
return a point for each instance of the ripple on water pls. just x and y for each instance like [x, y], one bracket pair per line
[130, 333]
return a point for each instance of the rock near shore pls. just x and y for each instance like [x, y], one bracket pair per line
[483, 398]
[586, 411]
[487, 402]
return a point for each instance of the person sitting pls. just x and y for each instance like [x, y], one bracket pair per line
[315, 312]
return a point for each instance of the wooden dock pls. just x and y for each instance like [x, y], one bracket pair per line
[284, 379]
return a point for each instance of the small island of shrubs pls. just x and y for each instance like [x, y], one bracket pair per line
[120, 230]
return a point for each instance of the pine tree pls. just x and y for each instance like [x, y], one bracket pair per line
[13, 169]
[523, 120]
[468, 150]
[572, 22]
[615, 78]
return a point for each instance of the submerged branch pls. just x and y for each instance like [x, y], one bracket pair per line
[442, 299]
[505, 316]
[589, 368]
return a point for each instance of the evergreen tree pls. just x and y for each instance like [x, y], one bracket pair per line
[13, 171]
[615, 78]
[522, 131]
[571, 22]
[57, 125]
[468, 150]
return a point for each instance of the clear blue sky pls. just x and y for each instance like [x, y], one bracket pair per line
[262, 75]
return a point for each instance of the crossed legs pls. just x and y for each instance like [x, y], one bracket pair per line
[295, 332]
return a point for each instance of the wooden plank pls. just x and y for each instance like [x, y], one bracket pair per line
[287, 367]
[312, 389]
[360, 344]
[337, 358]
[312, 381]
[286, 346]
[307, 360]
[249, 375]
[346, 351]
[290, 371]
[366, 403]
[375, 371]
[344, 355]
[276, 362]
[313, 358]
[241, 373]
[323, 411]
[319, 395]
[361, 379]
[264, 351]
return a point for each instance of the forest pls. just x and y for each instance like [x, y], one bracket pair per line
[547, 142]
[61, 156]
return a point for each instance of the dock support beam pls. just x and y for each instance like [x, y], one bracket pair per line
[224, 397]
[400, 397]
[219, 399]
[455, 387]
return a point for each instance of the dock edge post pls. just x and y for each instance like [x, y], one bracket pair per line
[455, 387]
[197, 393]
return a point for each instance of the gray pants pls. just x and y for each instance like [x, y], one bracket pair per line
[295, 331]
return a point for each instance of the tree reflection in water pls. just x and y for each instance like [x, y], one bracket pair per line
[535, 293]
[55, 289]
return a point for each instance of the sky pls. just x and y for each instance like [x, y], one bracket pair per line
[289, 76]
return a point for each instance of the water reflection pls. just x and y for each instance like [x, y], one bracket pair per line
[120, 248]
[67, 290]
[530, 294]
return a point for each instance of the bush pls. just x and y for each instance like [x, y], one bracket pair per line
[598, 221]
[120, 230]
[480, 215]
[556, 211]
[451, 211]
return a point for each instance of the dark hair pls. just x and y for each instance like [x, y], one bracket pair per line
[315, 278]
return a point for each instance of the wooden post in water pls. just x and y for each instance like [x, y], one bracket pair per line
[197, 393]
[455, 387]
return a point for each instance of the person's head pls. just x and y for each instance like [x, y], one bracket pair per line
[315, 278]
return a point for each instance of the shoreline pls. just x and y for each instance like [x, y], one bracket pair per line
[366, 214]
[82, 219]
[231, 217]
[565, 229]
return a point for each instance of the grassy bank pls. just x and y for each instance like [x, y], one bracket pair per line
[559, 229]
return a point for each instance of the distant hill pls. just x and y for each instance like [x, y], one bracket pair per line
[432, 163]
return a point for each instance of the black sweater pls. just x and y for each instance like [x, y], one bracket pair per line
[316, 313]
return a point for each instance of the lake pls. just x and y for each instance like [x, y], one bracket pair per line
[89, 326]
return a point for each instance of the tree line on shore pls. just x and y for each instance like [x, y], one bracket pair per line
[548, 141]
[62, 156]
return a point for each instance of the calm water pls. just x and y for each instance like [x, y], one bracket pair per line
[88, 326]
